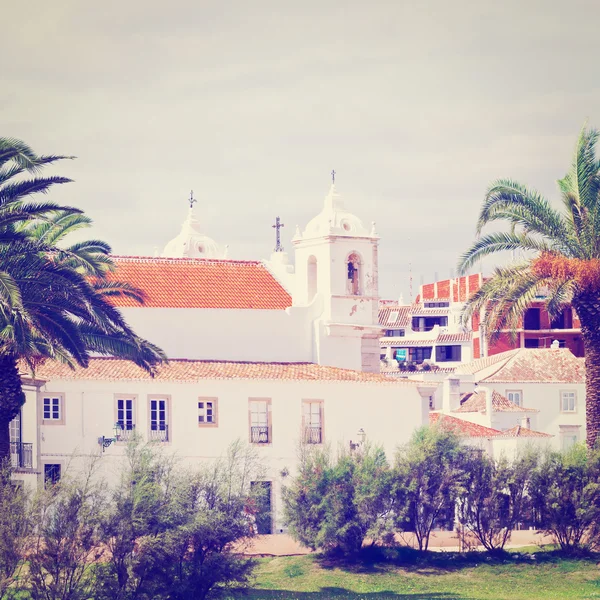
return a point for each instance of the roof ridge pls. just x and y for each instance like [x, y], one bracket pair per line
[501, 363]
[183, 260]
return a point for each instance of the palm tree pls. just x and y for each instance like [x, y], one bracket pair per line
[562, 264]
[54, 299]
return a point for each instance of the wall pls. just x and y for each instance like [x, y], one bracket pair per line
[388, 412]
[218, 334]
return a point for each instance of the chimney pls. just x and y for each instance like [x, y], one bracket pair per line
[555, 345]
[451, 394]
[487, 394]
[526, 423]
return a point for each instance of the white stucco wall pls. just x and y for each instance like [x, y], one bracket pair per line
[388, 413]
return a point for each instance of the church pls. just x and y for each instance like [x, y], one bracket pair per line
[268, 352]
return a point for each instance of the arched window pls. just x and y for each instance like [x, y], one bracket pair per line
[311, 279]
[354, 275]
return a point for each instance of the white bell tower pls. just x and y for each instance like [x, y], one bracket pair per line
[337, 269]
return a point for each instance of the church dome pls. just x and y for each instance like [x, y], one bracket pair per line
[334, 219]
[192, 243]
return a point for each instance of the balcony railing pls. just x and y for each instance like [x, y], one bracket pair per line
[160, 434]
[126, 435]
[313, 434]
[21, 455]
[259, 434]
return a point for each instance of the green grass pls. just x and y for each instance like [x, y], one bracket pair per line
[437, 576]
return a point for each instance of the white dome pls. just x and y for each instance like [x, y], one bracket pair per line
[334, 219]
[191, 243]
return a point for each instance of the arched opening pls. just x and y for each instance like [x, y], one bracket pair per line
[311, 278]
[354, 275]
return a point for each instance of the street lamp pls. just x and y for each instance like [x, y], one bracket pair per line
[105, 442]
[362, 436]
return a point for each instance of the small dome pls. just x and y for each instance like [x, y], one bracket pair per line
[334, 219]
[191, 243]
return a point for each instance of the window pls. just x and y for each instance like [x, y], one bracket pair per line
[260, 421]
[51, 474]
[437, 304]
[563, 321]
[418, 355]
[312, 421]
[569, 435]
[447, 353]
[428, 323]
[532, 319]
[159, 415]
[207, 411]
[394, 332]
[125, 406]
[568, 401]
[53, 409]
[14, 430]
[354, 266]
[431, 403]
[515, 396]
[393, 316]
[532, 343]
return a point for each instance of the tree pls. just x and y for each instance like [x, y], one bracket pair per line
[54, 299]
[494, 498]
[336, 505]
[565, 492]
[428, 475]
[563, 264]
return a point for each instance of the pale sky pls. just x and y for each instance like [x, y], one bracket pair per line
[418, 106]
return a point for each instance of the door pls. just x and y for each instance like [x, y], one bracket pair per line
[263, 506]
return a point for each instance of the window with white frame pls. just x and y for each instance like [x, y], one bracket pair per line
[207, 411]
[515, 396]
[312, 418]
[53, 409]
[159, 415]
[568, 401]
[125, 411]
[260, 425]
[569, 435]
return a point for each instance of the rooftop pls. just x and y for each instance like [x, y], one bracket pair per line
[522, 432]
[180, 370]
[461, 427]
[476, 402]
[200, 283]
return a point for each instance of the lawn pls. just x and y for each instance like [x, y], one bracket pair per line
[444, 576]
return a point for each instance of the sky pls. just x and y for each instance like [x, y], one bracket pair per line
[417, 105]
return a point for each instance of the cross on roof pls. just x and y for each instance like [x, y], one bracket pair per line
[278, 225]
[333, 176]
[191, 199]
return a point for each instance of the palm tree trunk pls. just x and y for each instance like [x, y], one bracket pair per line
[588, 310]
[12, 398]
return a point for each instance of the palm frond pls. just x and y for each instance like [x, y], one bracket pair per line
[11, 192]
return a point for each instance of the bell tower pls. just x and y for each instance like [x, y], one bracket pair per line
[337, 267]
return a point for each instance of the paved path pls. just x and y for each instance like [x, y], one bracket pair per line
[283, 545]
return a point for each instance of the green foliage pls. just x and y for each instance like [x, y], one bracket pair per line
[494, 499]
[428, 475]
[335, 505]
[565, 492]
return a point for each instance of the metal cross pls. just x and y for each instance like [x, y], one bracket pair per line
[333, 176]
[278, 225]
[192, 199]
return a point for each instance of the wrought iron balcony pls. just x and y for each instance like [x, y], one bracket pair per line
[21, 455]
[160, 434]
[259, 434]
[313, 434]
[125, 433]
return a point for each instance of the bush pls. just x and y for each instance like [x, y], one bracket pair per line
[494, 499]
[336, 505]
[428, 475]
[565, 490]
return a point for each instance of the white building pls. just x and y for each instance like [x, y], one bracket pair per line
[258, 351]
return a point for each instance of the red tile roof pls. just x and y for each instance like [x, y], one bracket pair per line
[391, 316]
[113, 369]
[539, 365]
[480, 364]
[518, 431]
[461, 427]
[200, 283]
[475, 402]
[403, 342]
[455, 338]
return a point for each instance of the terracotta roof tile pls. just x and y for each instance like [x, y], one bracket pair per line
[392, 316]
[518, 431]
[404, 342]
[475, 402]
[540, 365]
[479, 364]
[455, 338]
[461, 427]
[200, 283]
[113, 369]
